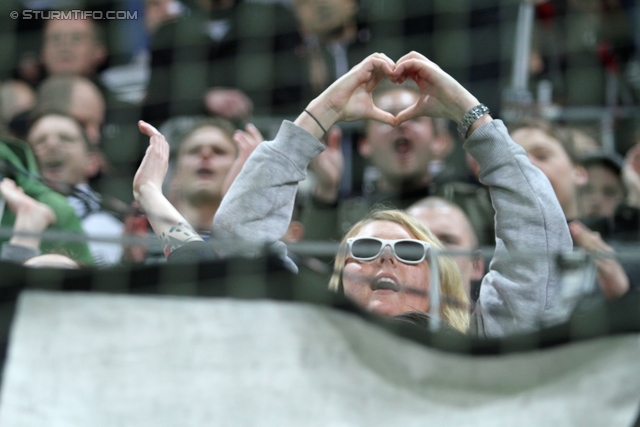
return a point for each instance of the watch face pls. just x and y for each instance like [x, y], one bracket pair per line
[472, 115]
[475, 113]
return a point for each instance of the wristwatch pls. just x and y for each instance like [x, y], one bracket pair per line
[470, 118]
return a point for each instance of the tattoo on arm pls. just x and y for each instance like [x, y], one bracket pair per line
[178, 236]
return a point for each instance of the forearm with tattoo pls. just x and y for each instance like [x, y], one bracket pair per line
[178, 236]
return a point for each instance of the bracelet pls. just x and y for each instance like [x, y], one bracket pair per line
[317, 121]
[470, 118]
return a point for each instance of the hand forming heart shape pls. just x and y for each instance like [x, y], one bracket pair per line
[350, 97]
[440, 94]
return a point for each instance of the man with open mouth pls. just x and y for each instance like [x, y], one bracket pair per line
[67, 160]
[398, 175]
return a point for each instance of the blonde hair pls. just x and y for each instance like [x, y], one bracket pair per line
[453, 307]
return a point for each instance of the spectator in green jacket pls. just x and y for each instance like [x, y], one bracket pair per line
[22, 167]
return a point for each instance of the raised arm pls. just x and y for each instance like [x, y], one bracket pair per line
[259, 204]
[518, 290]
[168, 224]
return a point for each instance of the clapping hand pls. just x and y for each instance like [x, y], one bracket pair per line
[612, 279]
[246, 141]
[155, 163]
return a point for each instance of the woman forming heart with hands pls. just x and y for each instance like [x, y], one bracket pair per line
[349, 98]
[383, 264]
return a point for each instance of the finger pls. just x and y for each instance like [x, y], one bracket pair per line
[375, 69]
[376, 77]
[147, 129]
[408, 113]
[242, 140]
[390, 65]
[382, 116]
[410, 55]
[414, 60]
[381, 57]
[158, 144]
[382, 67]
[246, 144]
[254, 132]
[9, 185]
[588, 240]
[585, 238]
[410, 67]
[399, 79]
[400, 71]
[378, 63]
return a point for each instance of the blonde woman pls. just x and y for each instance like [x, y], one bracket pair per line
[393, 279]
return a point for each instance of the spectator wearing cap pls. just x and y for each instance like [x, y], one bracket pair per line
[604, 191]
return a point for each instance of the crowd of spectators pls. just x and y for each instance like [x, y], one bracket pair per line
[207, 68]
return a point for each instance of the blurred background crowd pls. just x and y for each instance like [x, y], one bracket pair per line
[563, 74]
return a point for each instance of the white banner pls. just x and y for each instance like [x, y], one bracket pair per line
[117, 360]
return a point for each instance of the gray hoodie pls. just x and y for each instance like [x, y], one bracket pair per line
[516, 294]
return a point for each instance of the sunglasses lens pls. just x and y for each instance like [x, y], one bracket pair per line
[365, 248]
[409, 251]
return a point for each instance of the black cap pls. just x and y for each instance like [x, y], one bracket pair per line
[613, 161]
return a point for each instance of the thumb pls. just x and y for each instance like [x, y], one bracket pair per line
[588, 240]
[579, 232]
[382, 116]
[406, 114]
[254, 132]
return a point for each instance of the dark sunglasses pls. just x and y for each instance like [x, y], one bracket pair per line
[408, 251]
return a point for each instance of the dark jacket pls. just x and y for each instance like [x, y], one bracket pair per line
[256, 55]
